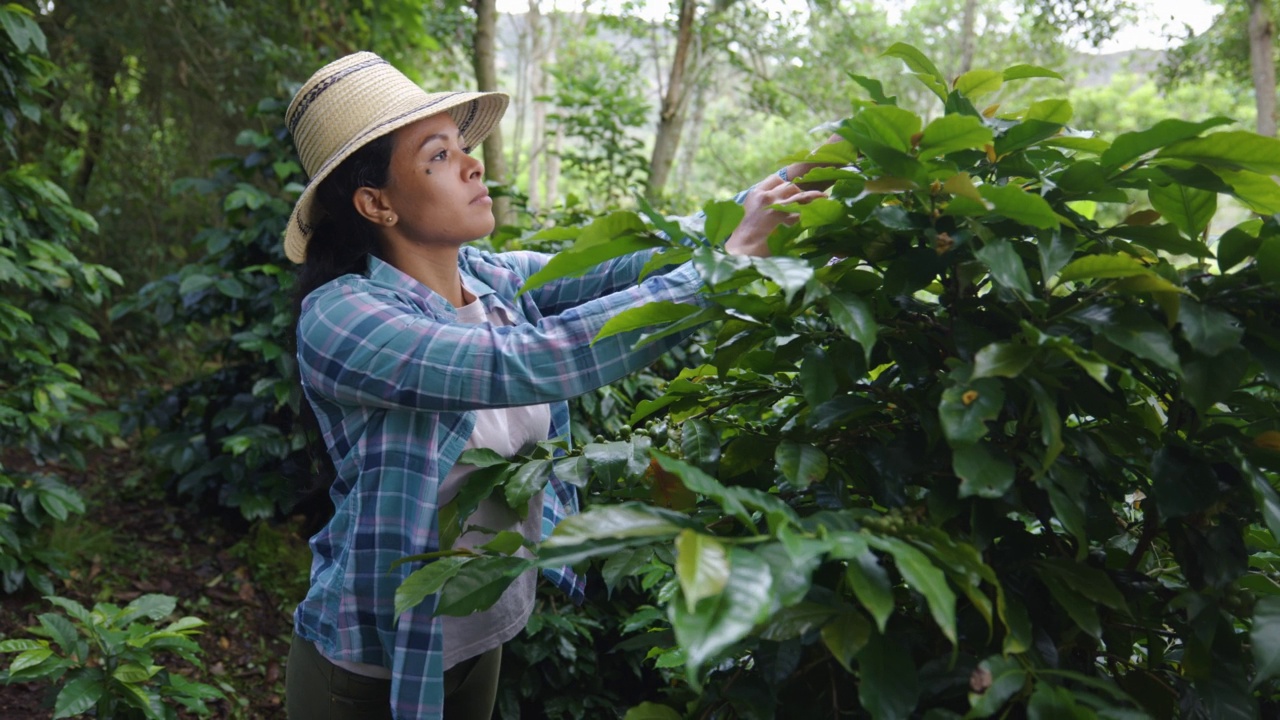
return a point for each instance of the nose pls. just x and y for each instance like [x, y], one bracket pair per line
[474, 169]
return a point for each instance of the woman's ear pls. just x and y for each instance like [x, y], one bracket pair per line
[372, 204]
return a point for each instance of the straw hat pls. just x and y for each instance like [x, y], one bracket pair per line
[356, 99]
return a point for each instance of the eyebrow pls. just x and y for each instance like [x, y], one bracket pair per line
[436, 136]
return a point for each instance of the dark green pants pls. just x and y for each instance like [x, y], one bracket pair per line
[316, 689]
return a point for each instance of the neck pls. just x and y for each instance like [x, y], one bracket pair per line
[435, 267]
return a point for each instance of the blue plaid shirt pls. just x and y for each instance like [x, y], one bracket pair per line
[393, 379]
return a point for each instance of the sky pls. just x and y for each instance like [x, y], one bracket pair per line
[1159, 17]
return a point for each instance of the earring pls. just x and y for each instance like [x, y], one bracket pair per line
[391, 219]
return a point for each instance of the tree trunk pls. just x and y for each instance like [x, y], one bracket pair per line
[689, 151]
[671, 118]
[966, 36]
[1262, 61]
[487, 80]
[537, 72]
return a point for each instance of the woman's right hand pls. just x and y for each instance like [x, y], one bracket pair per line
[760, 219]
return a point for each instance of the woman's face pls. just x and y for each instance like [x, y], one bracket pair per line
[435, 189]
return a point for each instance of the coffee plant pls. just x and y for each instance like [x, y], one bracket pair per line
[46, 413]
[995, 432]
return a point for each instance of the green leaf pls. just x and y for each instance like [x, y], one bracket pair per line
[950, 133]
[1022, 72]
[1210, 331]
[889, 687]
[1024, 135]
[134, 673]
[925, 70]
[718, 622]
[21, 645]
[80, 694]
[1093, 267]
[654, 313]
[875, 90]
[791, 274]
[1081, 610]
[527, 481]
[887, 126]
[870, 583]
[426, 581]
[61, 631]
[1090, 582]
[1131, 145]
[612, 521]
[194, 283]
[845, 636]
[1057, 111]
[506, 542]
[855, 318]
[700, 444]
[925, 578]
[1232, 150]
[801, 464]
[1188, 208]
[1268, 498]
[703, 484]
[1264, 636]
[611, 236]
[1206, 381]
[976, 83]
[817, 212]
[817, 376]
[1269, 259]
[983, 470]
[1005, 265]
[1008, 678]
[1002, 359]
[478, 584]
[1259, 192]
[651, 711]
[1139, 333]
[574, 470]
[29, 659]
[721, 219]
[702, 566]
[152, 606]
[966, 408]
[22, 30]
[1019, 205]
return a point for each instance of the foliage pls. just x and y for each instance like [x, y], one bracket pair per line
[230, 431]
[574, 663]
[278, 561]
[599, 106]
[45, 410]
[960, 448]
[104, 660]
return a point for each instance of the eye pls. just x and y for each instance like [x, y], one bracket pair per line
[443, 154]
[466, 150]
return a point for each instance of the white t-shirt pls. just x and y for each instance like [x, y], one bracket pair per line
[506, 431]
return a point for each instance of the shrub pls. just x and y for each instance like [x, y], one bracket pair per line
[961, 449]
[230, 430]
[45, 410]
[104, 660]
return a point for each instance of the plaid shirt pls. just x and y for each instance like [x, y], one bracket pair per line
[393, 379]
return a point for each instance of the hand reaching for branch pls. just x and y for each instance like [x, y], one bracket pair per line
[760, 218]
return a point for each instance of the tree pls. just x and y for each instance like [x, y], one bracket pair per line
[674, 101]
[1262, 62]
[487, 81]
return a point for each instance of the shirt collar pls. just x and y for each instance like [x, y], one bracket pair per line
[384, 273]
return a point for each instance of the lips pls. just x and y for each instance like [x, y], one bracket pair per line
[482, 197]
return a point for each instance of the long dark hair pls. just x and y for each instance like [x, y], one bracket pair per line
[341, 244]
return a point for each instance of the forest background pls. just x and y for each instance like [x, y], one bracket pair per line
[147, 401]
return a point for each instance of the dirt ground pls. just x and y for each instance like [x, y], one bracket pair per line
[131, 541]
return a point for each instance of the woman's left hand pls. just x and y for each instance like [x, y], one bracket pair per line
[760, 219]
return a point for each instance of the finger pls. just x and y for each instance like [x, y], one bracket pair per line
[807, 197]
[791, 219]
[770, 183]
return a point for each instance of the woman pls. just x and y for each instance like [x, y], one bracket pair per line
[413, 347]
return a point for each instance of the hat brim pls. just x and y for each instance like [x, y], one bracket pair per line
[476, 114]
